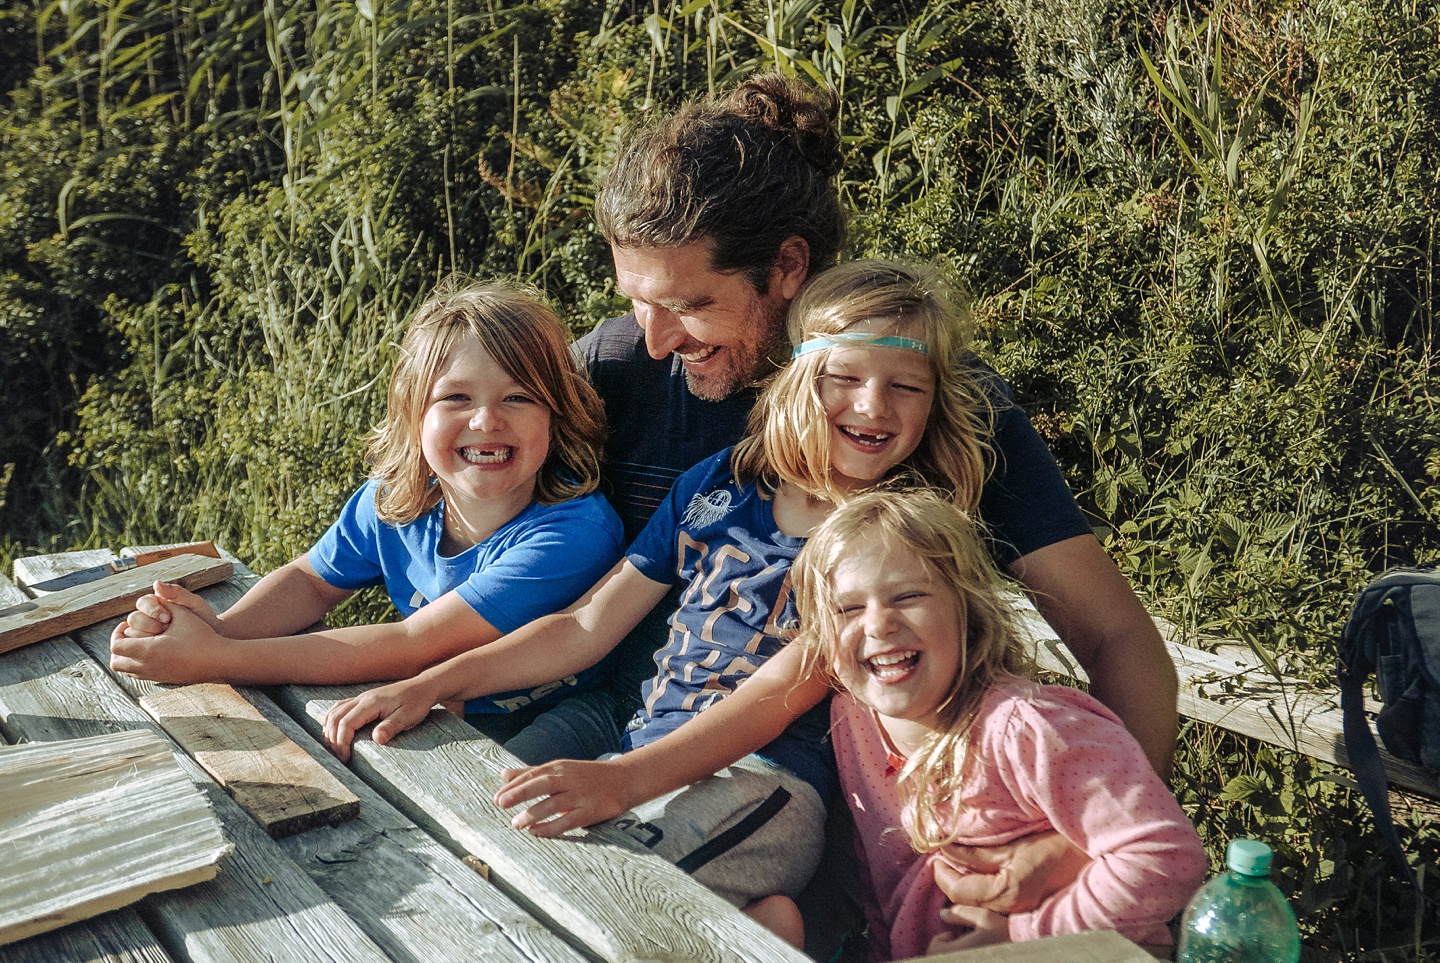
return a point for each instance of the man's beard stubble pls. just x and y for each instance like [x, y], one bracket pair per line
[748, 362]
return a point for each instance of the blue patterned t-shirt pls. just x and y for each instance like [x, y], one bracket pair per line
[718, 538]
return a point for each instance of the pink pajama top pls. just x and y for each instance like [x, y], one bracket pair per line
[1045, 757]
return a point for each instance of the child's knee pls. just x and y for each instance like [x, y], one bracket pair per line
[781, 916]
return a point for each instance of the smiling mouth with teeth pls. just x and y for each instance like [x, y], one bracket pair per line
[892, 665]
[871, 439]
[695, 357]
[487, 456]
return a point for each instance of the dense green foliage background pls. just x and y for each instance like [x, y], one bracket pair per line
[1203, 240]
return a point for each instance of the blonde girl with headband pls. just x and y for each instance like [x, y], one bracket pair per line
[943, 740]
[877, 388]
[480, 514]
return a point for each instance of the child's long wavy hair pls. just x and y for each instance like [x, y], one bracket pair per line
[788, 438]
[515, 326]
[949, 544]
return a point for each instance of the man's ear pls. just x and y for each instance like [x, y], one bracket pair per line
[791, 267]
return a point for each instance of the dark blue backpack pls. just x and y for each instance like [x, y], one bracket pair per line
[1393, 632]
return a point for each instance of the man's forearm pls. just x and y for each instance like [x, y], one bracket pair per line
[1142, 690]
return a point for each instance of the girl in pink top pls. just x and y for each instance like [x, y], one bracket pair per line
[941, 739]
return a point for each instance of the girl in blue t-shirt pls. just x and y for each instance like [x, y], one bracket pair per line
[878, 388]
[479, 515]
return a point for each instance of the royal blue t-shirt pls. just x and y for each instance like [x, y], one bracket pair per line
[537, 563]
[718, 538]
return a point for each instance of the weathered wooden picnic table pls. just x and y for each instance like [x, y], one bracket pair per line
[430, 870]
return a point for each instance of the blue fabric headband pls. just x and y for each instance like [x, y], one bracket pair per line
[861, 339]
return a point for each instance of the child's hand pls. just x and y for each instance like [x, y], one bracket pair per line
[980, 927]
[1012, 878]
[398, 706]
[186, 651]
[576, 794]
[154, 612]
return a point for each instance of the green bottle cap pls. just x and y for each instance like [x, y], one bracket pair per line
[1249, 857]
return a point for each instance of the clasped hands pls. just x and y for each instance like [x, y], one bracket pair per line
[173, 635]
[998, 881]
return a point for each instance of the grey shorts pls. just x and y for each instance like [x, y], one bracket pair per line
[752, 830]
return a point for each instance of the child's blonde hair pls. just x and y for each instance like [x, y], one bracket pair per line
[788, 438]
[515, 327]
[950, 546]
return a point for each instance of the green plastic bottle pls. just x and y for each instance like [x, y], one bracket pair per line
[1240, 916]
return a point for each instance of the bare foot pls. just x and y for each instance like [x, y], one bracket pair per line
[781, 916]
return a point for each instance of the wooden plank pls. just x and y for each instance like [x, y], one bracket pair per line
[416, 898]
[629, 923]
[90, 825]
[124, 563]
[1096, 947]
[115, 937]
[32, 569]
[1234, 694]
[620, 902]
[267, 773]
[259, 902]
[411, 895]
[83, 605]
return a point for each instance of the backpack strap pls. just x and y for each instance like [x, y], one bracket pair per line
[1369, 770]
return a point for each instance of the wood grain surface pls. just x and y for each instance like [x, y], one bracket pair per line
[1240, 695]
[276, 782]
[90, 825]
[56, 613]
[1099, 947]
[414, 898]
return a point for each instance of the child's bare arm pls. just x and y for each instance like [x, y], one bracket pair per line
[547, 649]
[291, 598]
[190, 650]
[583, 793]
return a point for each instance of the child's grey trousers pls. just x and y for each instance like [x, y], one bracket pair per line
[752, 830]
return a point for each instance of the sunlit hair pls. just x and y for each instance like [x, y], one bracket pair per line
[745, 170]
[789, 436]
[916, 524]
[515, 327]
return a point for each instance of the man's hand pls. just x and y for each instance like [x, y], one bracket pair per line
[188, 650]
[1012, 878]
[575, 794]
[398, 706]
[979, 927]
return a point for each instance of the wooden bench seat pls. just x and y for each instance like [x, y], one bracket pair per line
[1241, 696]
